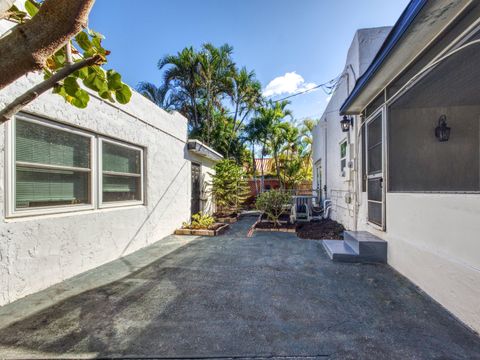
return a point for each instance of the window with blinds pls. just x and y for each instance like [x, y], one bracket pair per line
[121, 173]
[52, 166]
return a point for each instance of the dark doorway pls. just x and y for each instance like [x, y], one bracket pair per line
[196, 174]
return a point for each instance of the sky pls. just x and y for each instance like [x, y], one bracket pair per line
[292, 45]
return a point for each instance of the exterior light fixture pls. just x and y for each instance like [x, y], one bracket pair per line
[346, 122]
[442, 131]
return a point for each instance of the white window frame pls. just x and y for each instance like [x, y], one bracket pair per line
[342, 170]
[111, 204]
[96, 173]
[12, 163]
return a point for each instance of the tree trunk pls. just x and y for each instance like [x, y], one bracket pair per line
[254, 169]
[262, 182]
[29, 45]
[277, 169]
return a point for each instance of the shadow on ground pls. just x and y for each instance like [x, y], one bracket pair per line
[272, 294]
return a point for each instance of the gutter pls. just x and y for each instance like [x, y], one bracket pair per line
[399, 29]
[203, 150]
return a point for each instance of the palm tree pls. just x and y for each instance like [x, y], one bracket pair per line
[216, 71]
[270, 129]
[246, 96]
[254, 135]
[181, 76]
[158, 95]
[306, 135]
[276, 130]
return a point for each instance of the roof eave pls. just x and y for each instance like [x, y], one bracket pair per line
[402, 25]
[418, 27]
[199, 148]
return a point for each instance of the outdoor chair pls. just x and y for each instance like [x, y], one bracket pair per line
[301, 208]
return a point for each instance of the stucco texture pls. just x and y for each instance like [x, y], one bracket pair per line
[36, 252]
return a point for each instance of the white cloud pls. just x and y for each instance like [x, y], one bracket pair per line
[289, 83]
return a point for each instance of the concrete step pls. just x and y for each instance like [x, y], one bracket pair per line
[338, 250]
[367, 245]
[357, 246]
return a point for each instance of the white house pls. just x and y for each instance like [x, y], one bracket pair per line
[330, 144]
[80, 188]
[411, 170]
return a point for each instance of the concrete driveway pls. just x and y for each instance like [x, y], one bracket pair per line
[272, 295]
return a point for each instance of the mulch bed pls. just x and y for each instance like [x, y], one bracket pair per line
[283, 218]
[320, 230]
[269, 225]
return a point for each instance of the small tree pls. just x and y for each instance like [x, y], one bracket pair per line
[52, 36]
[229, 186]
[272, 203]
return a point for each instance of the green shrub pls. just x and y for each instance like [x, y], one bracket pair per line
[199, 221]
[229, 186]
[272, 203]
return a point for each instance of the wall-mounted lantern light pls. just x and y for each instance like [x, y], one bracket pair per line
[442, 131]
[346, 122]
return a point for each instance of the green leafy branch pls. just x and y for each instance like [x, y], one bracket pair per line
[78, 62]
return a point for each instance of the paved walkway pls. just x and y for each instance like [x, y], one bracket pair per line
[233, 296]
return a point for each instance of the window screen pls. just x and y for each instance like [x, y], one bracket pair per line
[374, 145]
[121, 167]
[417, 160]
[52, 166]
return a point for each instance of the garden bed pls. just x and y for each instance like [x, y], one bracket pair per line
[320, 230]
[226, 218]
[264, 224]
[214, 230]
[271, 226]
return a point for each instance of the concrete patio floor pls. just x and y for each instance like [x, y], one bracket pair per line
[272, 295]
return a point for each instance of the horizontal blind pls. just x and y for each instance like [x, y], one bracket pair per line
[40, 144]
[120, 159]
[40, 187]
[119, 184]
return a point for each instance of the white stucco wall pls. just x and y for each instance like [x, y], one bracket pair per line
[36, 252]
[434, 240]
[207, 205]
[328, 134]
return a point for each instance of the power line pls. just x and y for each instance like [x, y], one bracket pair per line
[328, 87]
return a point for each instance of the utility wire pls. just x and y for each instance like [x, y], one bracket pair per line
[328, 87]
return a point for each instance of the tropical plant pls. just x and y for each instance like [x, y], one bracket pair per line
[229, 186]
[216, 71]
[180, 76]
[206, 86]
[273, 204]
[268, 128]
[52, 36]
[199, 221]
[246, 95]
[158, 95]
